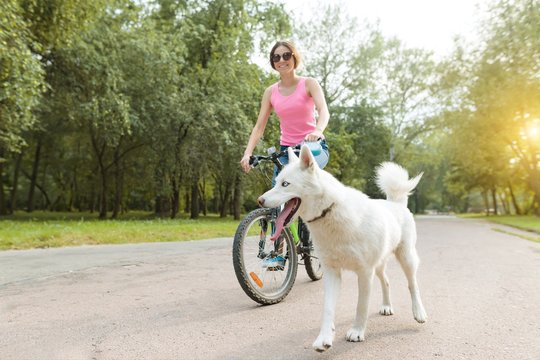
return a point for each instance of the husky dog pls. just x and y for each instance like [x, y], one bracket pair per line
[352, 232]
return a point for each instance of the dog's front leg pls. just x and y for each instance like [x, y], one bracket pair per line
[357, 332]
[332, 286]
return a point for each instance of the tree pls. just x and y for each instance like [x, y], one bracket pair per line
[501, 109]
[403, 88]
[93, 95]
[220, 81]
[338, 52]
[21, 84]
[511, 57]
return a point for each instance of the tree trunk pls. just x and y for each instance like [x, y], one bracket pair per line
[534, 183]
[15, 183]
[33, 177]
[537, 200]
[40, 188]
[237, 197]
[202, 197]
[175, 197]
[195, 199]
[486, 201]
[514, 201]
[187, 207]
[494, 199]
[225, 202]
[103, 193]
[118, 183]
[100, 154]
[3, 208]
[74, 201]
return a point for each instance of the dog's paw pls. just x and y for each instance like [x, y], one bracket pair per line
[323, 342]
[355, 335]
[419, 314]
[386, 310]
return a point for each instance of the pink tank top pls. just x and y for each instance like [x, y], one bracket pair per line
[296, 113]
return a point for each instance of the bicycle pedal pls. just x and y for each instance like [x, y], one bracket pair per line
[276, 268]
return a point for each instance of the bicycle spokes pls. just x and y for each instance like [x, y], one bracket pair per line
[262, 238]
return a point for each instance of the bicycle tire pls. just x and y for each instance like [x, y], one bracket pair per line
[260, 287]
[311, 260]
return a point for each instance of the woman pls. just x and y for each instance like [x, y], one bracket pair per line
[294, 100]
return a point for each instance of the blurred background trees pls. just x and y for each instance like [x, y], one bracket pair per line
[116, 105]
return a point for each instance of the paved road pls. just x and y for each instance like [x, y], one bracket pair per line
[481, 289]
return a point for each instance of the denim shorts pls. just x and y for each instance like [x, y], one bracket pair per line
[321, 159]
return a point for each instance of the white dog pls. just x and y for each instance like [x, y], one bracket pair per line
[351, 231]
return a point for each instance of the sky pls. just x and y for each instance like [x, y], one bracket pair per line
[428, 24]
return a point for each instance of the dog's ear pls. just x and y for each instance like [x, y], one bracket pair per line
[292, 155]
[306, 158]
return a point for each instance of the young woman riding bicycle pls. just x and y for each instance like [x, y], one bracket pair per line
[294, 99]
[266, 262]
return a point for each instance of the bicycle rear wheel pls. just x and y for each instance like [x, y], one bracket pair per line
[265, 269]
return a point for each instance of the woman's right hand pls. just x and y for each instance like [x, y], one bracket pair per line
[245, 163]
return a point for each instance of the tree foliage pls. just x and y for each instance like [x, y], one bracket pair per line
[113, 105]
[494, 142]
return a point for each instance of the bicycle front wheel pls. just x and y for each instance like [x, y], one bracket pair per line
[311, 255]
[265, 269]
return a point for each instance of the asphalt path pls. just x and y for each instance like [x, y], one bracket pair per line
[480, 287]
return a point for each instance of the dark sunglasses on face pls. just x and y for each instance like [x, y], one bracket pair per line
[286, 56]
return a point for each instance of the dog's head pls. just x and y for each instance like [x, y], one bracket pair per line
[297, 181]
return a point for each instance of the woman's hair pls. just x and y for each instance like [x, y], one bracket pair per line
[289, 45]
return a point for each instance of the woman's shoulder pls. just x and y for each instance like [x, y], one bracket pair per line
[268, 92]
[271, 88]
[310, 81]
[311, 85]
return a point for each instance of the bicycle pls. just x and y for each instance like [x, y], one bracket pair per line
[266, 269]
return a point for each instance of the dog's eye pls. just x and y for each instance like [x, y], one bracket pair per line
[284, 184]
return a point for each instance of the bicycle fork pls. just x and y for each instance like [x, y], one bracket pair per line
[279, 242]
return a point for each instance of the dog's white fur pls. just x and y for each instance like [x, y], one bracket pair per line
[356, 233]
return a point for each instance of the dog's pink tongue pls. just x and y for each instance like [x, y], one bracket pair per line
[280, 221]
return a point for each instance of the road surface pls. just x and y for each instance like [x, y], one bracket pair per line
[480, 287]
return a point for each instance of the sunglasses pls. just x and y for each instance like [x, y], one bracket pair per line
[286, 56]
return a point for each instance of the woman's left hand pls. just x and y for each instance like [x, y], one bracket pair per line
[314, 136]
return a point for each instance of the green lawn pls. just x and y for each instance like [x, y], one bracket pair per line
[41, 230]
[47, 229]
[527, 222]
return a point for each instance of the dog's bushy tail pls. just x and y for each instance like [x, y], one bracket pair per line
[394, 181]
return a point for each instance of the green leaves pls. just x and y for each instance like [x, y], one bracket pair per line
[21, 78]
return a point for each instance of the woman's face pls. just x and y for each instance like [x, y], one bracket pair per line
[281, 65]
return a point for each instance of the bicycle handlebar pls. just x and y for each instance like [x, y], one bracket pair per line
[254, 160]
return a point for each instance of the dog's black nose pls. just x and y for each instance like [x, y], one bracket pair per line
[260, 201]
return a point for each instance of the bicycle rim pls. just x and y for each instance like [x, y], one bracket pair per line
[263, 277]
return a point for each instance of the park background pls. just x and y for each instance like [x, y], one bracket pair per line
[142, 109]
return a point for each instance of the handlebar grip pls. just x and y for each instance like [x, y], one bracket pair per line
[253, 161]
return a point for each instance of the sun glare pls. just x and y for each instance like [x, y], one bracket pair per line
[533, 129]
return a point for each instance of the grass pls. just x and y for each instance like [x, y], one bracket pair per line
[46, 229]
[530, 238]
[523, 222]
